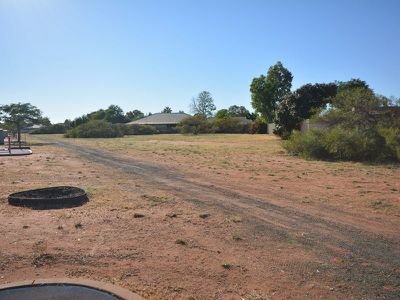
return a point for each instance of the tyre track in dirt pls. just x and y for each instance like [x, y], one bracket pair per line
[372, 261]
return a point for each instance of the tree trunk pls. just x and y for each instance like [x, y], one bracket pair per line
[19, 135]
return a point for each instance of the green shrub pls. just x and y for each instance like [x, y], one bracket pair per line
[95, 129]
[229, 125]
[167, 129]
[346, 144]
[259, 126]
[308, 145]
[392, 141]
[354, 144]
[136, 129]
[195, 125]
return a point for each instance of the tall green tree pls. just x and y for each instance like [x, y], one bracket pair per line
[203, 104]
[268, 91]
[222, 114]
[19, 115]
[356, 108]
[302, 104]
[134, 115]
[354, 83]
[114, 114]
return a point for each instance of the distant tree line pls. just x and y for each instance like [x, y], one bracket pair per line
[361, 125]
[113, 115]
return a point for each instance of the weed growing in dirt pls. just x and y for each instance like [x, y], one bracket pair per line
[90, 190]
[379, 204]
[204, 215]
[39, 260]
[155, 200]
[227, 266]
[234, 219]
[181, 242]
[39, 247]
[236, 237]
[257, 296]
[78, 225]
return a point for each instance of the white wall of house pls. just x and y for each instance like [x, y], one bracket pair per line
[306, 125]
[270, 128]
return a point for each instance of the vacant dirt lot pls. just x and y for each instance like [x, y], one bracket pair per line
[205, 217]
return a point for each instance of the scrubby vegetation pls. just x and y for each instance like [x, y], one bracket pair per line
[136, 129]
[339, 143]
[229, 125]
[195, 125]
[96, 129]
[199, 124]
[259, 125]
[362, 128]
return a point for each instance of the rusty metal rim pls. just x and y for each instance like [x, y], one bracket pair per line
[77, 198]
[101, 286]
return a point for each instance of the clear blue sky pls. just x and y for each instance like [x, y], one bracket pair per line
[70, 57]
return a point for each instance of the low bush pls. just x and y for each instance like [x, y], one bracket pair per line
[346, 144]
[95, 129]
[259, 126]
[308, 145]
[229, 125]
[354, 144]
[166, 130]
[195, 125]
[392, 141]
[136, 129]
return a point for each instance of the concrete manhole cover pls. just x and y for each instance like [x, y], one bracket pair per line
[49, 198]
[63, 290]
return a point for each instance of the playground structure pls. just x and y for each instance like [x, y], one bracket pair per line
[11, 147]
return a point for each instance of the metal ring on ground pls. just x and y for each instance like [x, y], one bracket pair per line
[45, 289]
[49, 198]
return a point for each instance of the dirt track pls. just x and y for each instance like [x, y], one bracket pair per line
[319, 250]
[370, 260]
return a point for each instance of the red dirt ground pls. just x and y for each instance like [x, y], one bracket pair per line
[218, 223]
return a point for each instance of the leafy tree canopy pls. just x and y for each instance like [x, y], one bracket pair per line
[355, 107]
[222, 114]
[114, 114]
[235, 111]
[203, 104]
[18, 115]
[134, 115]
[268, 91]
[352, 84]
[302, 104]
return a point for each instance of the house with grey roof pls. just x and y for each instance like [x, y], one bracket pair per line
[164, 122]
[161, 119]
[31, 128]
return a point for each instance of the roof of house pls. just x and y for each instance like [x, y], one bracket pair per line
[385, 110]
[161, 119]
